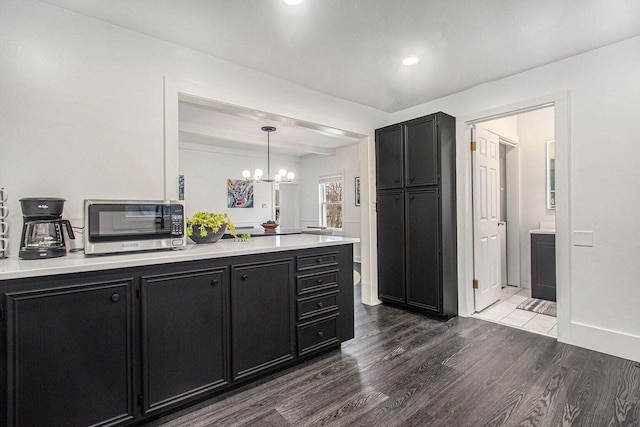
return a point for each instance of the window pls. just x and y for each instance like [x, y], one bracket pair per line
[277, 202]
[331, 201]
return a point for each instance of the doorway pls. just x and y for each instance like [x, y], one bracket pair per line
[510, 174]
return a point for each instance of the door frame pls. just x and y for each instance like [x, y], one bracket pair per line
[562, 130]
[513, 211]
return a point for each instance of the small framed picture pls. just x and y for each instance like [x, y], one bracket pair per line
[357, 191]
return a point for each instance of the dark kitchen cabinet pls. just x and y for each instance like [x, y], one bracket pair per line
[391, 266]
[262, 317]
[421, 152]
[323, 288]
[184, 336]
[120, 347]
[389, 158]
[69, 359]
[416, 219]
[423, 249]
[543, 266]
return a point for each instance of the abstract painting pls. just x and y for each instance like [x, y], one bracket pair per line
[239, 193]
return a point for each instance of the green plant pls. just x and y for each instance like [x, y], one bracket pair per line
[205, 220]
[243, 238]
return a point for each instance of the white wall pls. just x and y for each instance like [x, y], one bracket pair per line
[81, 106]
[206, 170]
[345, 162]
[82, 117]
[505, 126]
[535, 128]
[598, 293]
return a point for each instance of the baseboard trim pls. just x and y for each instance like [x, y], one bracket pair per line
[606, 341]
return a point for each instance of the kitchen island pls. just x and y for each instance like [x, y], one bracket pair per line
[122, 339]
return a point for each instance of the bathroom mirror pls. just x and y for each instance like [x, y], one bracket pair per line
[551, 174]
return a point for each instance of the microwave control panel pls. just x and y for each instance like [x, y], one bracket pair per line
[177, 220]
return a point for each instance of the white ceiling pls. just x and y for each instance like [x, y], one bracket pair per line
[206, 122]
[352, 49]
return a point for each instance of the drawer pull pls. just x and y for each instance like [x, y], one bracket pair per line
[319, 260]
[321, 334]
[214, 282]
[320, 304]
[115, 297]
[396, 181]
[319, 281]
[244, 277]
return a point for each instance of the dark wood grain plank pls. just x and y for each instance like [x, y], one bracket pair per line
[404, 369]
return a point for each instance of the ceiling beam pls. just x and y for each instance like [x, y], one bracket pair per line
[225, 135]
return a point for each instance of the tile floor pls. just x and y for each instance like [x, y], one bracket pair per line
[506, 313]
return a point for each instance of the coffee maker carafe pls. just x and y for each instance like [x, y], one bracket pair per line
[43, 229]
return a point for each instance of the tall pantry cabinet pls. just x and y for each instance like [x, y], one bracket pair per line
[416, 214]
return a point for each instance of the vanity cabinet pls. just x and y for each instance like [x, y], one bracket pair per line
[416, 215]
[261, 317]
[119, 347]
[184, 336]
[69, 353]
[543, 266]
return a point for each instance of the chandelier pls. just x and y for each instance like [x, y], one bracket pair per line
[281, 176]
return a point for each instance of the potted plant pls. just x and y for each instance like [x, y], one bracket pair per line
[208, 227]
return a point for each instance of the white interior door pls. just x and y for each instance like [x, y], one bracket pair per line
[486, 211]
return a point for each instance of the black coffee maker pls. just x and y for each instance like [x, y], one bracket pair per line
[42, 232]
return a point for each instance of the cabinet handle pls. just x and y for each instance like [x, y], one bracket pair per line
[321, 334]
[214, 282]
[412, 197]
[319, 281]
[319, 260]
[411, 179]
[395, 181]
[320, 305]
[244, 277]
[115, 297]
[397, 198]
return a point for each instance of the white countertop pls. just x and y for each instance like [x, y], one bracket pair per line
[15, 268]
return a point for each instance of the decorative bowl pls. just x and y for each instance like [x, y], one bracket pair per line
[211, 237]
[269, 227]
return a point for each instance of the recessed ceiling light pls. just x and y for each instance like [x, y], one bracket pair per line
[294, 2]
[410, 60]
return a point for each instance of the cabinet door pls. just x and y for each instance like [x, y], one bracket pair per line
[184, 336]
[421, 152]
[69, 355]
[391, 280]
[262, 317]
[543, 266]
[389, 157]
[423, 250]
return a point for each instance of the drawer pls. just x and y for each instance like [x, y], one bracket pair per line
[316, 335]
[316, 305]
[306, 262]
[317, 282]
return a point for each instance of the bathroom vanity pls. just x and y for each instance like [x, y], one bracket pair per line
[543, 264]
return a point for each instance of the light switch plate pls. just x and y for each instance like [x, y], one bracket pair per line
[582, 238]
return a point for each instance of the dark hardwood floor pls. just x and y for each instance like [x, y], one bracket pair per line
[404, 369]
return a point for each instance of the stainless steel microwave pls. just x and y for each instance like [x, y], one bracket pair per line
[112, 226]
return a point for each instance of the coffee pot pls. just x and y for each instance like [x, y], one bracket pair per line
[43, 229]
